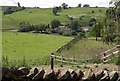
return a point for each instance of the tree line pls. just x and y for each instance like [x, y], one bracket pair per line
[55, 26]
[13, 9]
[66, 6]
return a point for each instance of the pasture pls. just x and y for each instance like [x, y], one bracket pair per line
[44, 16]
[31, 46]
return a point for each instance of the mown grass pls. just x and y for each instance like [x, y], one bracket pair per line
[44, 16]
[34, 47]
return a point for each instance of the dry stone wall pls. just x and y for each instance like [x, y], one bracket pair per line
[36, 74]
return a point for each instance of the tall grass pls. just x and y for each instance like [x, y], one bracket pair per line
[24, 62]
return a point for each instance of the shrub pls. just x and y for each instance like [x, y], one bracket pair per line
[81, 18]
[66, 33]
[60, 32]
[73, 32]
[100, 10]
[93, 11]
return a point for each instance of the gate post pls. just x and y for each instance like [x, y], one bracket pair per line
[52, 61]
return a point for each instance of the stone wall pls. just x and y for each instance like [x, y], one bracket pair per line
[37, 74]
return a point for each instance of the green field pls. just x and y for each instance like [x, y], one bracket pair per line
[32, 46]
[36, 48]
[44, 16]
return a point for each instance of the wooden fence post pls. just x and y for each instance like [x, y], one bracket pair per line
[118, 47]
[52, 61]
[104, 57]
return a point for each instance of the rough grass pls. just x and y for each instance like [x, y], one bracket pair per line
[44, 16]
[34, 47]
[85, 48]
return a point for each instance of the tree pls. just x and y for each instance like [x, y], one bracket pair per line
[75, 25]
[79, 5]
[55, 23]
[19, 4]
[112, 22]
[55, 11]
[65, 5]
[96, 30]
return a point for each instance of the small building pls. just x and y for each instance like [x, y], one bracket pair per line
[64, 28]
[86, 29]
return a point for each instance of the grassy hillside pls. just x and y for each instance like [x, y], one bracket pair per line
[38, 16]
[32, 46]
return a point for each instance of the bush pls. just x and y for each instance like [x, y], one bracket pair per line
[81, 18]
[66, 33]
[73, 32]
[100, 10]
[93, 11]
[60, 32]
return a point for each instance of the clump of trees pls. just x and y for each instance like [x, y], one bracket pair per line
[55, 26]
[13, 9]
[86, 5]
[39, 28]
[10, 10]
[26, 27]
